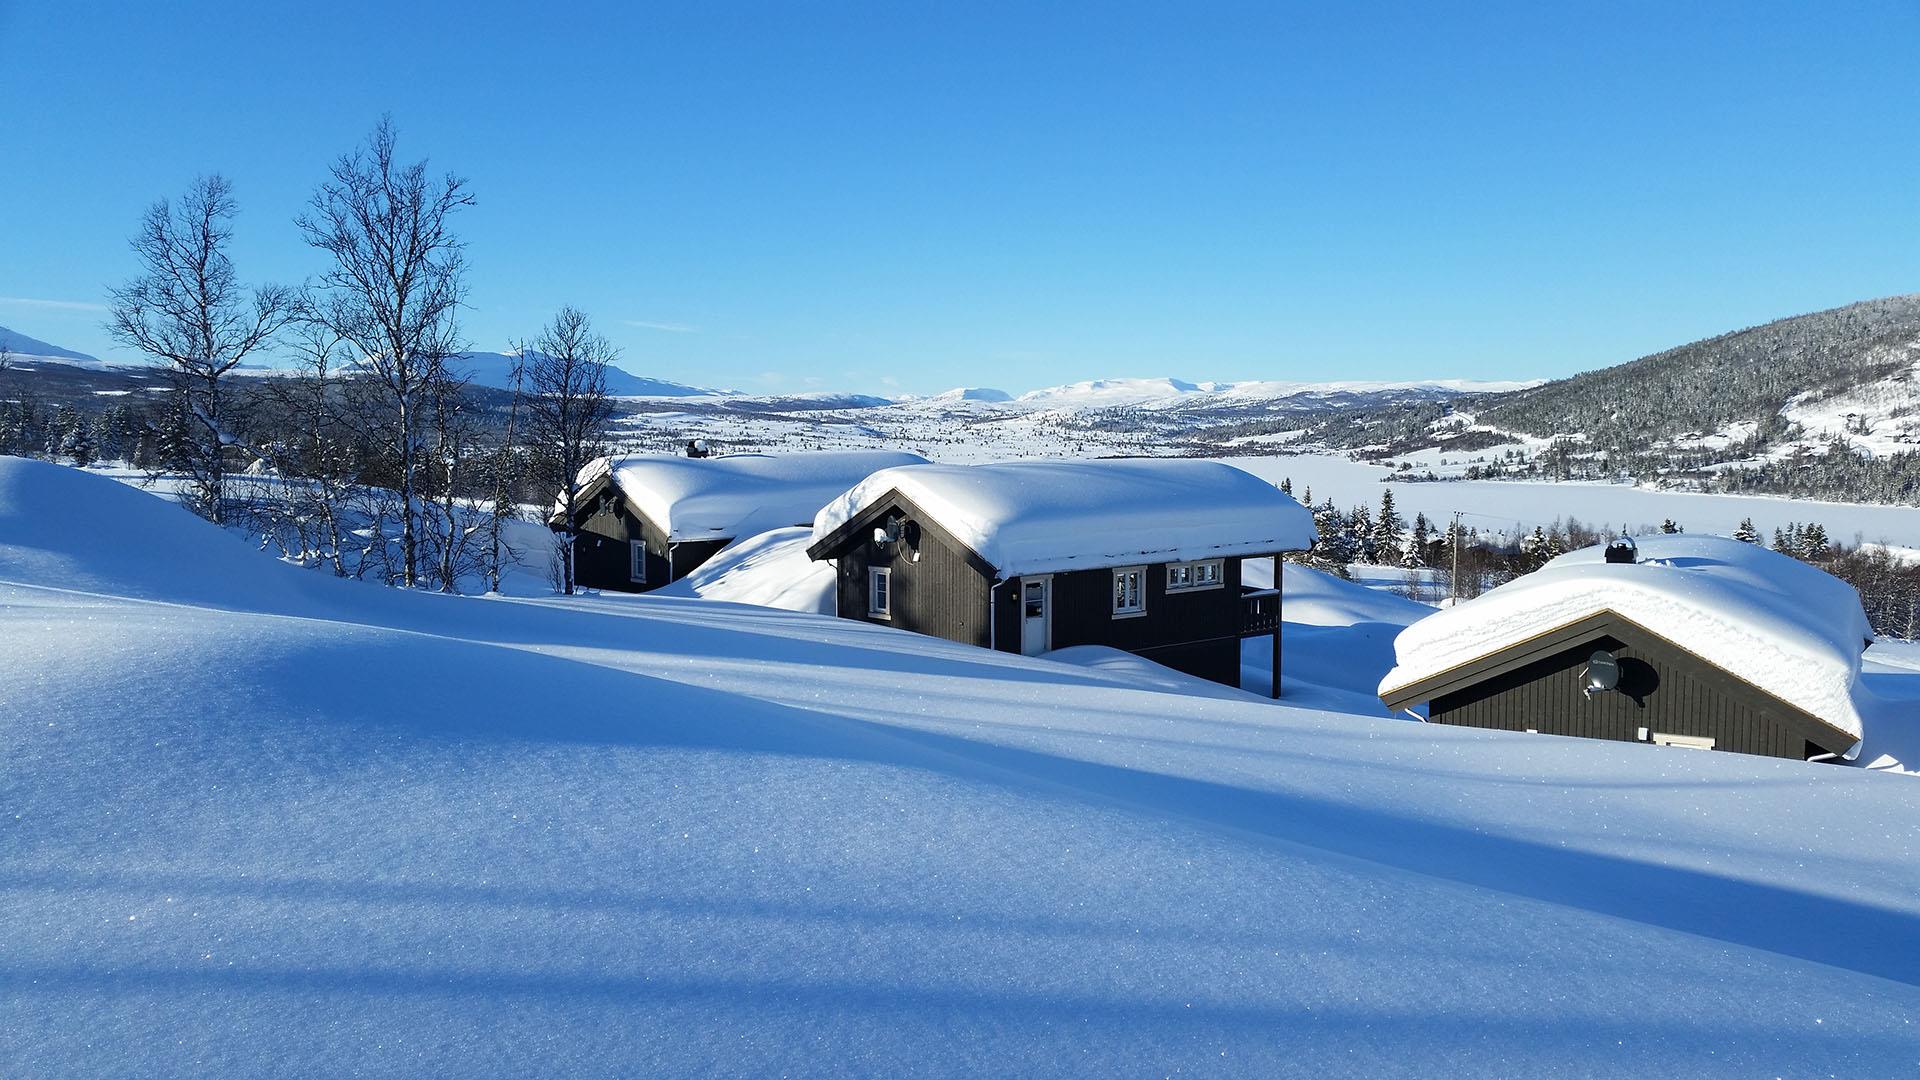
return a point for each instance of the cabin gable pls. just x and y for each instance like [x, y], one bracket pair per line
[935, 584]
[1664, 690]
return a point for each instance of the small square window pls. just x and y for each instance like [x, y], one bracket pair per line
[1129, 591]
[880, 592]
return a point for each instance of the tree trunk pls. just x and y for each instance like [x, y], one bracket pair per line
[406, 491]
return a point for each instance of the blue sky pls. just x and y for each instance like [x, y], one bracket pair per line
[905, 197]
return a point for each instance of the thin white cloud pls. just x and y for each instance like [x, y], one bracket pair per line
[666, 327]
[56, 305]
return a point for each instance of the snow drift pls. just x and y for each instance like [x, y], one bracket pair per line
[303, 826]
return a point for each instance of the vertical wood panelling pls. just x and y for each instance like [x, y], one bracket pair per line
[1663, 690]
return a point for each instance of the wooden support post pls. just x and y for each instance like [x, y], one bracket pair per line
[1279, 606]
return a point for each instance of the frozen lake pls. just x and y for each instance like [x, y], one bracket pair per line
[1503, 505]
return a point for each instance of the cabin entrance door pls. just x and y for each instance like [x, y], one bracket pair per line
[1036, 614]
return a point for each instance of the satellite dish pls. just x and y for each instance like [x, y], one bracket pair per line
[1601, 674]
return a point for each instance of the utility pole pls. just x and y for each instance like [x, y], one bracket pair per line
[1453, 579]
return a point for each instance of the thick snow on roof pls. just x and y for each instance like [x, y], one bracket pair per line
[1786, 627]
[1037, 517]
[735, 495]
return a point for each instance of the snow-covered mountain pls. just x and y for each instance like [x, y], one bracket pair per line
[984, 394]
[24, 347]
[1180, 393]
[495, 369]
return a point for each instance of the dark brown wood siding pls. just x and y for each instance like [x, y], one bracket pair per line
[690, 555]
[1662, 689]
[940, 592]
[601, 561]
[1196, 631]
[950, 592]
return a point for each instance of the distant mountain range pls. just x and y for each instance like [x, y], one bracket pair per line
[496, 370]
[23, 346]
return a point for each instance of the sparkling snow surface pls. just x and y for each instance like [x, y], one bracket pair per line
[1786, 627]
[1036, 517]
[262, 822]
[740, 494]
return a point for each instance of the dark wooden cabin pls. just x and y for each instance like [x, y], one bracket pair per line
[1028, 557]
[1600, 674]
[647, 520]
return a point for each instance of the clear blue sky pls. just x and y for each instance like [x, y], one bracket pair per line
[912, 196]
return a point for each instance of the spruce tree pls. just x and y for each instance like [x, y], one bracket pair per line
[1813, 543]
[1416, 554]
[1746, 533]
[1386, 530]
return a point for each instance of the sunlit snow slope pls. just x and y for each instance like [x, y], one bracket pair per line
[262, 822]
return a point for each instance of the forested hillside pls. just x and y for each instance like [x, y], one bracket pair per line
[1748, 376]
[1822, 405]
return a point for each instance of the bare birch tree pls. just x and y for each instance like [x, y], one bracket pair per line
[189, 310]
[567, 412]
[395, 287]
[505, 472]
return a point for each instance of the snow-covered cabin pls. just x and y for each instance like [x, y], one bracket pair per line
[1695, 641]
[1141, 555]
[646, 520]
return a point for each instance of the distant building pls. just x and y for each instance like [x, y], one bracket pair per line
[1139, 555]
[647, 520]
[1690, 641]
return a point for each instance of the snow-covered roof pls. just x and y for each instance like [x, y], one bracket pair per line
[1037, 517]
[737, 495]
[1788, 628]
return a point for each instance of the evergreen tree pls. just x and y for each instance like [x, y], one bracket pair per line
[1286, 486]
[1334, 550]
[1416, 555]
[1669, 527]
[1780, 543]
[1813, 543]
[62, 421]
[1360, 533]
[1533, 549]
[1746, 533]
[78, 445]
[1386, 530]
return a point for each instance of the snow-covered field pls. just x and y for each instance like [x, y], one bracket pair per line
[265, 822]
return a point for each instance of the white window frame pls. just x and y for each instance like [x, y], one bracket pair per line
[1139, 606]
[1190, 569]
[1683, 742]
[637, 561]
[879, 581]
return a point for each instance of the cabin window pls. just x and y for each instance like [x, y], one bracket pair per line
[1182, 577]
[1130, 591]
[880, 592]
[637, 561]
[1687, 742]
